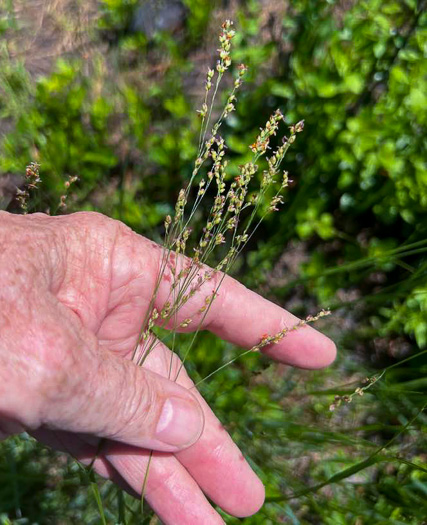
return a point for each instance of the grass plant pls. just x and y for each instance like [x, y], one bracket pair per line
[363, 462]
[238, 207]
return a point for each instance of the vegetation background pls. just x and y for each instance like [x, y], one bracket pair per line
[107, 91]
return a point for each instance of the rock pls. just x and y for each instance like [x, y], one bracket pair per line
[153, 16]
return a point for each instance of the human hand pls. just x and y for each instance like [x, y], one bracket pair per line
[73, 292]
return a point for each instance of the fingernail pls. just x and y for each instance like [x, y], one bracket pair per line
[180, 423]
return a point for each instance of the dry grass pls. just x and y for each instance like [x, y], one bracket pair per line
[49, 29]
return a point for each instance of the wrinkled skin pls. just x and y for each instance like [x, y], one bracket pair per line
[73, 293]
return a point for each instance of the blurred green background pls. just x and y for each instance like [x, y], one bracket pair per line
[108, 91]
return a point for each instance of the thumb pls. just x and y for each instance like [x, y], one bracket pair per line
[133, 405]
[56, 376]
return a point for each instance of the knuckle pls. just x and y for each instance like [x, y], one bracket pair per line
[29, 249]
[89, 217]
[136, 413]
[220, 300]
[92, 228]
[169, 478]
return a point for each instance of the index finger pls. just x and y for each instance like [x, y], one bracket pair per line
[239, 315]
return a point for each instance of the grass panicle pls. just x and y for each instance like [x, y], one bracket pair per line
[238, 206]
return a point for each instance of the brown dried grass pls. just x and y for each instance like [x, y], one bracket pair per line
[49, 29]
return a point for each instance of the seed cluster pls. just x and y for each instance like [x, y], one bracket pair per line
[276, 338]
[236, 211]
[67, 184]
[360, 391]
[32, 182]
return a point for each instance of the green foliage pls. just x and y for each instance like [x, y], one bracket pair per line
[410, 316]
[359, 77]
[123, 121]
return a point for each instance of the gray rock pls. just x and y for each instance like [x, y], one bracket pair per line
[161, 15]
